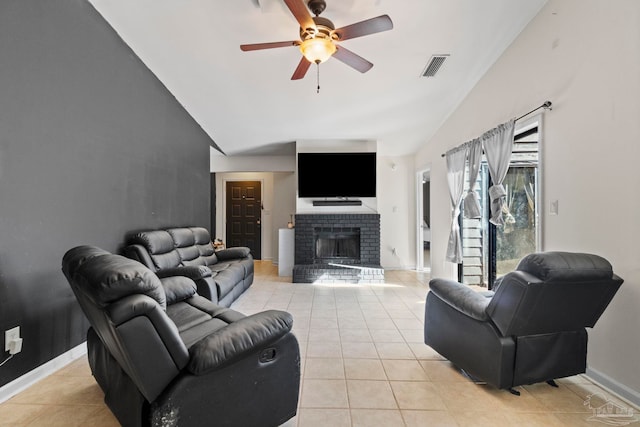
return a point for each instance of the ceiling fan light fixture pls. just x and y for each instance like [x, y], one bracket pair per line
[317, 49]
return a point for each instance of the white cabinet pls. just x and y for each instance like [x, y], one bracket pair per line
[286, 246]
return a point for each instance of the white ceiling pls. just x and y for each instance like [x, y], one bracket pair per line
[246, 101]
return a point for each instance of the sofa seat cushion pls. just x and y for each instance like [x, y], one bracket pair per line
[197, 317]
[220, 266]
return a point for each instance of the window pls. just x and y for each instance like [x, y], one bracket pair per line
[491, 251]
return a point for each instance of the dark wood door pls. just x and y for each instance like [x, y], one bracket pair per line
[244, 210]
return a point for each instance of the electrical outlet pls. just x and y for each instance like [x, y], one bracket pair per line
[11, 335]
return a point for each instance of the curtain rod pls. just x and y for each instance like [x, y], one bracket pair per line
[546, 105]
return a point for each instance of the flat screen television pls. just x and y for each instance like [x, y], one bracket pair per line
[337, 174]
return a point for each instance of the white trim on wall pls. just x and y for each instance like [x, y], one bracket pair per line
[20, 384]
[609, 384]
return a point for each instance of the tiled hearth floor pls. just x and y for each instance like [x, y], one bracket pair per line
[363, 362]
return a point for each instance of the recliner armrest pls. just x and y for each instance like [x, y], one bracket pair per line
[142, 329]
[238, 252]
[178, 288]
[228, 344]
[193, 272]
[461, 297]
[135, 306]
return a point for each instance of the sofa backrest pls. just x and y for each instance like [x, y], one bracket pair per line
[193, 245]
[103, 278]
[172, 247]
[553, 292]
[160, 247]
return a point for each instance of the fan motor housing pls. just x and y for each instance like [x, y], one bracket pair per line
[324, 28]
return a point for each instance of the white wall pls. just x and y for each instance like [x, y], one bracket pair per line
[284, 205]
[396, 205]
[222, 163]
[584, 56]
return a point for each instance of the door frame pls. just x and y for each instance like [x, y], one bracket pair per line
[224, 206]
[419, 214]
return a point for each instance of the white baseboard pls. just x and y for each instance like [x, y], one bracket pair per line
[9, 390]
[615, 387]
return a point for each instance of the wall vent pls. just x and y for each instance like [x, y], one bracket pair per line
[434, 65]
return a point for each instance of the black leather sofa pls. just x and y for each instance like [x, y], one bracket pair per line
[531, 328]
[165, 356]
[221, 276]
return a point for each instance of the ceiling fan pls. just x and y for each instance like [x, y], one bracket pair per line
[318, 37]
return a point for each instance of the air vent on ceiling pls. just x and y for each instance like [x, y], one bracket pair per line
[434, 65]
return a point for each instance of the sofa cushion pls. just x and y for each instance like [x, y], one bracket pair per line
[160, 246]
[155, 241]
[566, 266]
[105, 277]
[178, 288]
[182, 237]
[199, 261]
[204, 245]
[189, 255]
[197, 317]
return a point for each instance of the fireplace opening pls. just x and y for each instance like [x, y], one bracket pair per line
[337, 245]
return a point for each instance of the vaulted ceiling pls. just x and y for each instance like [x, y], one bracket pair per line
[247, 102]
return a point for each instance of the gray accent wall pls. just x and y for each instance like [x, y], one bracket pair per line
[92, 146]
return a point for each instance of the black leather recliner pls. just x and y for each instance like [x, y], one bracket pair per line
[165, 356]
[531, 328]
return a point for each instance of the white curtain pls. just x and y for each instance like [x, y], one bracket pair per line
[455, 177]
[498, 144]
[471, 200]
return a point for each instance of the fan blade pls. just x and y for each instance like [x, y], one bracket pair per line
[301, 13]
[259, 46]
[351, 59]
[364, 28]
[301, 70]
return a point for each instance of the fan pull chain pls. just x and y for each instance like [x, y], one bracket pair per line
[318, 76]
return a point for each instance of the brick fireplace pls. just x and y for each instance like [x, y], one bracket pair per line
[337, 248]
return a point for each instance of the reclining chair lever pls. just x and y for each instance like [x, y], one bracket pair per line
[267, 355]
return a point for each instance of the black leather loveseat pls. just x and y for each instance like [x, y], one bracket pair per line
[165, 356]
[532, 329]
[220, 276]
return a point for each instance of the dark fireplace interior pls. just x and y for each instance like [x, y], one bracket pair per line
[336, 245]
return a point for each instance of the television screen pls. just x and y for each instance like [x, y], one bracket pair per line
[337, 174]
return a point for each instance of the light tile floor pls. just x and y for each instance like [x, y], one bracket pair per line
[364, 363]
